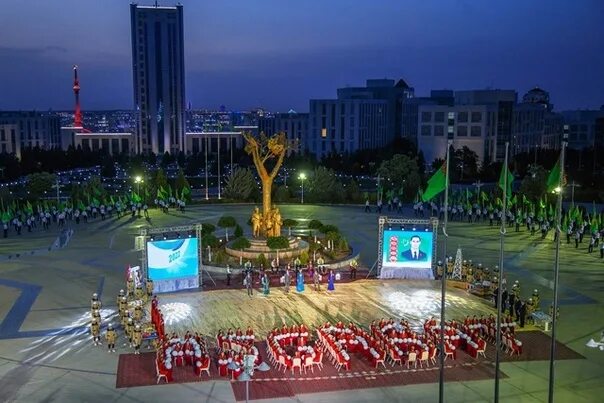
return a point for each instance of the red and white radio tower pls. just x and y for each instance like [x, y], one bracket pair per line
[77, 116]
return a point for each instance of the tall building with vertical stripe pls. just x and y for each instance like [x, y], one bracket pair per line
[158, 78]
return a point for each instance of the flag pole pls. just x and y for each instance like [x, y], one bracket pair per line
[560, 190]
[441, 381]
[502, 232]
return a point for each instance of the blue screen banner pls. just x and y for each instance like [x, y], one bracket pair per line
[171, 259]
[407, 254]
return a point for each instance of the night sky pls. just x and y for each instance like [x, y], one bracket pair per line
[281, 53]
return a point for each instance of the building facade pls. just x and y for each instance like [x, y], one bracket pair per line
[158, 78]
[582, 127]
[10, 141]
[466, 125]
[361, 118]
[293, 124]
[34, 129]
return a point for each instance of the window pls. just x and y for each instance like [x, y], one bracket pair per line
[324, 132]
[475, 131]
[476, 117]
[439, 116]
[462, 131]
[426, 116]
[439, 130]
[426, 130]
[462, 117]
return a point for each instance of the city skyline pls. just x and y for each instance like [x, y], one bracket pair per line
[243, 56]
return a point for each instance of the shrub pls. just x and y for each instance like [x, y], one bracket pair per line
[221, 257]
[277, 242]
[262, 261]
[329, 228]
[207, 228]
[304, 258]
[240, 243]
[209, 240]
[315, 224]
[238, 231]
[227, 222]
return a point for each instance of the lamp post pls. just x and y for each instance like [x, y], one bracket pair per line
[248, 368]
[302, 176]
[138, 180]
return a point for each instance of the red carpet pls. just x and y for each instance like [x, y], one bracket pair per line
[138, 370]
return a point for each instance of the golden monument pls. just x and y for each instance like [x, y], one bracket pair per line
[262, 149]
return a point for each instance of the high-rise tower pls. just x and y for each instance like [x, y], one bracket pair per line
[158, 77]
[77, 116]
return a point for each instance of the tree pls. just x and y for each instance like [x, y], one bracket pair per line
[401, 171]
[227, 222]
[241, 243]
[534, 183]
[181, 182]
[464, 164]
[159, 181]
[353, 192]
[323, 186]
[240, 184]
[39, 183]
[289, 223]
[107, 167]
[282, 194]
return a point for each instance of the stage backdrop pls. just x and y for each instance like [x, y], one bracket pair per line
[407, 254]
[173, 264]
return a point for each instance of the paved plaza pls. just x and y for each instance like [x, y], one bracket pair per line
[46, 352]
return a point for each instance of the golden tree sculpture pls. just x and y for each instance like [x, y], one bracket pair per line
[263, 149]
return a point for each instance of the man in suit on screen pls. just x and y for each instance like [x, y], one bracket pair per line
[414, 253]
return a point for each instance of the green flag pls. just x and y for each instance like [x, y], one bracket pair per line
[502, 180]
[436, 184]
[553, 180]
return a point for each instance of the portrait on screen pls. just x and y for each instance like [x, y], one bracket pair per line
[412, 249]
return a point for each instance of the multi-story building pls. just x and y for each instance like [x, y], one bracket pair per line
[158, 77]
[360, 118]
[35, 129]
[293, 124]
[10, 141]
[410, 111]
[582, 127]
[466, 125]
[534, 125]
[500, 106]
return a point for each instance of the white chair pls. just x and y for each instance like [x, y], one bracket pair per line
[160, 375]
[395, 358]
[480, 350]
[205, 368]
[449, 352]
[379, 361]
[412, 359]
[319, 361]
[297, 363]
[308, 363]
[282, 363]
[433, 356]
[423, 358]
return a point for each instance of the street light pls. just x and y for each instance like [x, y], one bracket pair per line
[248, 368]
[302, 176]
[138, 179]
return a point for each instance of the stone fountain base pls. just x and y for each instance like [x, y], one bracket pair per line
[258, 246]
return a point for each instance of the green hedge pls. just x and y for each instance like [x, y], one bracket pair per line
[277, 242]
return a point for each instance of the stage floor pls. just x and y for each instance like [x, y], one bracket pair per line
[361, 302]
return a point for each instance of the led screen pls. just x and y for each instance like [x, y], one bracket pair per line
[412, 249]
[174, 258]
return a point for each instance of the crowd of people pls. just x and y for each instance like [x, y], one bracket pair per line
[298, 275]
[44, 217]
